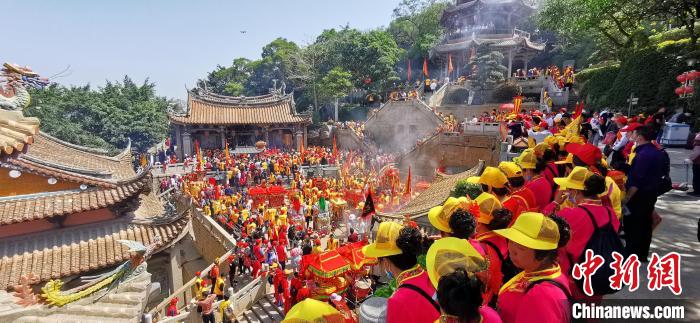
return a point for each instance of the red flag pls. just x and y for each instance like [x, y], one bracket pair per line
[579, 110]
[368, 209]
[408, 74]
[425, 67]
[517, 102]
[449, 64]
[335, 150]
[407, 189]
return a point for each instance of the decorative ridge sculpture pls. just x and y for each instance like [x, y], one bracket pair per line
[14, 95]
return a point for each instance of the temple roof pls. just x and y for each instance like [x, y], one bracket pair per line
[82, 249]
[205, 108]
[16, 131]
[436, 194]
[21, 208]
[514, 40]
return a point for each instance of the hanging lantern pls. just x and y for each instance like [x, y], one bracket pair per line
[692, 75]
[682, 78]
[688, 89]
[679, 90]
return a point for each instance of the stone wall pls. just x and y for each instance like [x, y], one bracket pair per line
[398, 124]
[458, 151]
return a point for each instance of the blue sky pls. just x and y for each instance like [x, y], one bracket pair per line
[173, 43]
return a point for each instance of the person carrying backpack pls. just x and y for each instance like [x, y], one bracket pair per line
[593, 226]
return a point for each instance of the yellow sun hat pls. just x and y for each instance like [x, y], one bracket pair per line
[527, 159]
[449, 254]
[493, 177]
[569, 160]
[440, 215]
[473, 179]
[385, 243]
[575, 180]
[541, 147]
[311, 311]
[533, 230]
[487, 204]
[510, 169]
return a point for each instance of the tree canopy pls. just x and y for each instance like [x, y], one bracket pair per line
[104, 118]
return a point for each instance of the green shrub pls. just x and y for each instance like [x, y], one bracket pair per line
[464, 188]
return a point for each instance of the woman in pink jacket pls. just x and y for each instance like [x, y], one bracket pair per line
[397, 248]
[587, 204]
[540, 292]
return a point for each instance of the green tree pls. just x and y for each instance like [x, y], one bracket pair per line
[335, 85]
[272, 66]
[105, 118]
[490, 71]
[616, 25]
[416, 26]
[228, 80]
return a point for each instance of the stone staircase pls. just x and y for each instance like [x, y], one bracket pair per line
[264, 311]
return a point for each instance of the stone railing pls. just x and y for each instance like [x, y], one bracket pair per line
[212, 242]
[437, 96]
[482, 127]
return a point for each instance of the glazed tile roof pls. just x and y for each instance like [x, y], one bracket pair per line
[81, 249]
[22, 208]
[16, 131]
[434, 195]
[208, 109]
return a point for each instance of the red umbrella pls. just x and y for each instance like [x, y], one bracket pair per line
[506, 106]
[327, 264]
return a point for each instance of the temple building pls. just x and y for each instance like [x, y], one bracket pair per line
[492, 23]
[213, 120]
[63, 207]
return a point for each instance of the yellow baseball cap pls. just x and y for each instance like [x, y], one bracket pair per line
[439, 216]
[385, 243]
[493, 178]
[487, 204]
[533, 230]
[575, 179]
[511, 169]
[449, 254]
[527, 159]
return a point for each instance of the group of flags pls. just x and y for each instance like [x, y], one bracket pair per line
[426, 72]
[368, 210]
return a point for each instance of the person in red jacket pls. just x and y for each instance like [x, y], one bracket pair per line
[281, 285]
[521, 199]
[542, 187]
[281, 254]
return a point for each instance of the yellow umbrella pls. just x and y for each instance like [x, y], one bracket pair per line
[310, 310]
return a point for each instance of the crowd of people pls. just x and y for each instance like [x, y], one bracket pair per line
[503, 254]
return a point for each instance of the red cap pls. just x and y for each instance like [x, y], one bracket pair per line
[622, 120]
[630, 127]
[544, 125]
[587, 153]
[633, 119]
[317, 242]
[199, 273]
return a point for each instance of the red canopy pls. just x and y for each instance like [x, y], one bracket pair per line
[327, 264]
[353, 253]
[506, 106]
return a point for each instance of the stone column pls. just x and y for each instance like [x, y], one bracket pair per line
[306, 136]
[510, 63]
[525, 63]
[178, 139]
[233, 138]
[187, 143]
[298, 139]
[267, 135]
[222, 132]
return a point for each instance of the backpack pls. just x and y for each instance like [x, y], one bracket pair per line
[665, 185]
[508, 269]
[604, 241]
[552, 282]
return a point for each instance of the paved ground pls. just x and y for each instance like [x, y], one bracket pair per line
[676, 233]
[680, 171]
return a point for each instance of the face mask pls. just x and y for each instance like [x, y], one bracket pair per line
[528, 178]
[389, 274]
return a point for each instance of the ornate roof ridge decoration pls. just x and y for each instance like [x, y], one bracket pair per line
[87, 172]
[16, 131]
[465, 5]
[98, 152]
[237, 101]
[434, 195]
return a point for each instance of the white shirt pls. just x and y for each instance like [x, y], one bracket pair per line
[539, 135]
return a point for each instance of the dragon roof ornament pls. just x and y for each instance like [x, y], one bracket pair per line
[16, 79]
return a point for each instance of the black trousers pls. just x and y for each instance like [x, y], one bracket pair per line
[638, 224]
[207, 318]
